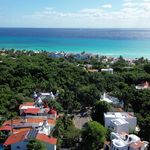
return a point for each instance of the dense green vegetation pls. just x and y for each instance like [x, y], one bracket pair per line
[93, 136]
[35, 145]
[66, 133]
[22, 73]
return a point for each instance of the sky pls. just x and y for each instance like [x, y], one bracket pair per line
[75, 13]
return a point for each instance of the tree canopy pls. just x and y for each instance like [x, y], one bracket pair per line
[94, 135]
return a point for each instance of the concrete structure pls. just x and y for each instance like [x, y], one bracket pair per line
[127, 142]
[109, 70]
[20, 140]
[112, 100]
[120, 121]
[119, 125]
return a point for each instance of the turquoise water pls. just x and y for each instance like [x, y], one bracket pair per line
[115, 43]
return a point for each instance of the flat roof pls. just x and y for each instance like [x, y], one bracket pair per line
[119, 121]
[119, 115]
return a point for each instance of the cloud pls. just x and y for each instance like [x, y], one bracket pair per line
[132, 13]
[107, 6]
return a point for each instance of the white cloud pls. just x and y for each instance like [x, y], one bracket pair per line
[132, 13]
[107, 6]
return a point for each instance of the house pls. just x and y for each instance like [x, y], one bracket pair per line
[112, 100]
[126, 141]
[37, 110]
[44, 126]
[57, 55]
[21, 139]
[26, 105]
[120, 121]
[145, 85]
[119, 125]
[42, 96]
[108, 70]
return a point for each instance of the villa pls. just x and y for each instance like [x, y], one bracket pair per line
[41, 124]
[126, 141]
[112, 100]
[21, 139]
[37, 110]
[120, 121]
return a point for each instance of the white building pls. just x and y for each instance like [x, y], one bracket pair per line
[112, 100]
[120, 121]
[119, 125]
[127, 142]
[109, 70]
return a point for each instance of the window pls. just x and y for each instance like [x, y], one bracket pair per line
[18, 147]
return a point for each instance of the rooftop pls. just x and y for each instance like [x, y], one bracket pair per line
[27, 135]
[27, 104]
[14, 138]
[28, 120]
[119, 115]
[121, 140]
[46, 139]
[31, 110]
[119, 121]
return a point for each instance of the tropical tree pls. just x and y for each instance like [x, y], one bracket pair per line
[98, 111]
[93, 136]
[36, 145]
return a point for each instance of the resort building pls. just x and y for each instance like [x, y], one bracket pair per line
[120, 121]
[21, 139]
[145, 85]
[126, 141]
[112, 100]
[109, 70]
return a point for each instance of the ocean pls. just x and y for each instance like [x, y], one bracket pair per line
[130, 43]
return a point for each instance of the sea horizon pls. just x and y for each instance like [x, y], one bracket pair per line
[114, 42]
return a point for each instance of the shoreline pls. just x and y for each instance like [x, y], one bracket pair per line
[62, 53]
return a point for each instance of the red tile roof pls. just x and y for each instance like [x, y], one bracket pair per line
[8, 128]
[14, 138]
[29, 120]
[19, 137]
[21, 129]
[46, 139]
[52, 111]
[26, 104]
[31, 110]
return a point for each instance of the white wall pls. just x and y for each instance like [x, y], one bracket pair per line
[121, 128]
[132, 123]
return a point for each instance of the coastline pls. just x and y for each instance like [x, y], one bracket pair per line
[130, 56]
[77, 55]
